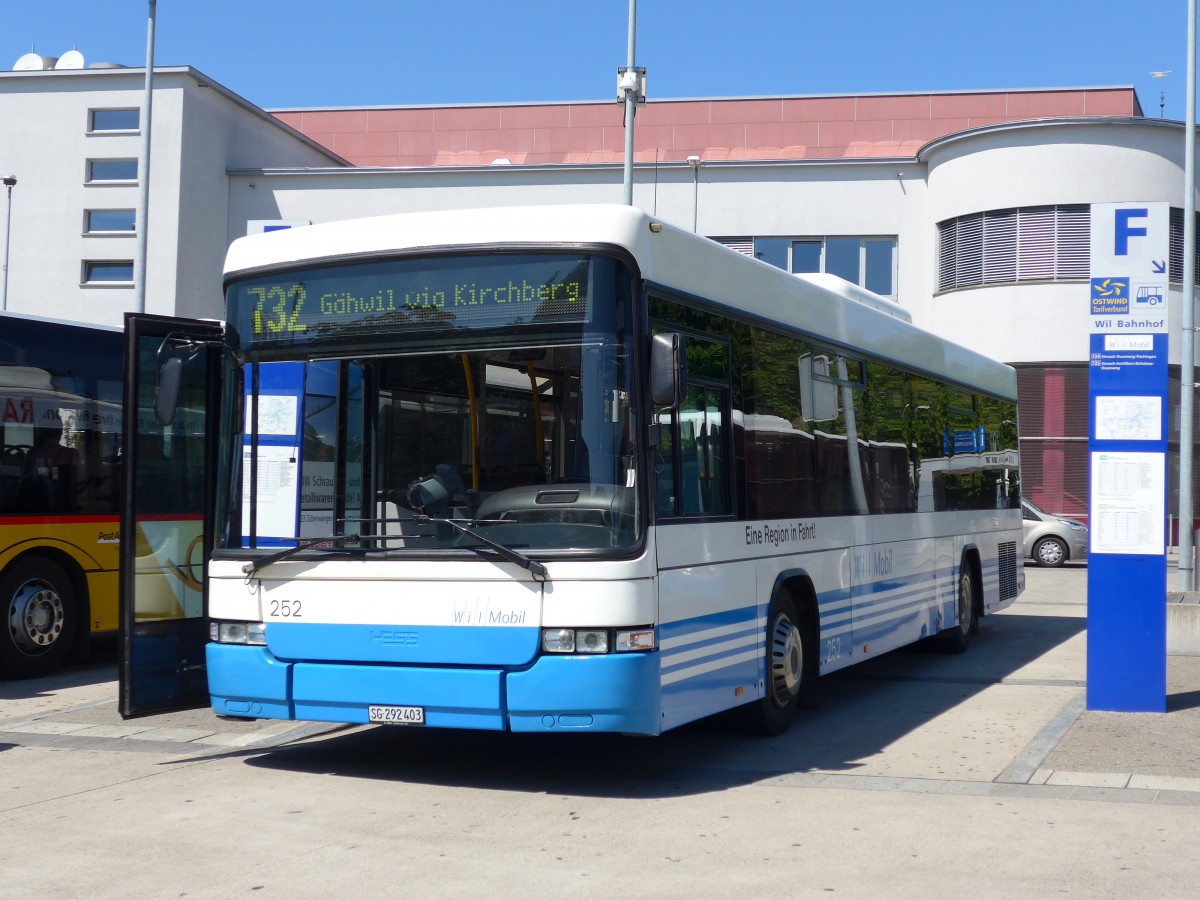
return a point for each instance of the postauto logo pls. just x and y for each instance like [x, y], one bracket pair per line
[1110, 296]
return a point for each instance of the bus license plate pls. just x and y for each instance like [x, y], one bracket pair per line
[396, 715]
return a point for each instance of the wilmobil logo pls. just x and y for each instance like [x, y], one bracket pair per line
[1110, 296]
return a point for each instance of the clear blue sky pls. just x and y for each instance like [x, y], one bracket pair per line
[382, 52]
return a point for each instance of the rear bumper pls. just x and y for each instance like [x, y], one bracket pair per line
[557, 693]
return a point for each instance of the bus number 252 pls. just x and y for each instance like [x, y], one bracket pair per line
[833, 649]
[285, 609]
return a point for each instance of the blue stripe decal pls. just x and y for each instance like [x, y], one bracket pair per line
[692, 647]
[875, 611]
[710, 663]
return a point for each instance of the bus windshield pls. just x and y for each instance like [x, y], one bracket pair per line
[399, 420]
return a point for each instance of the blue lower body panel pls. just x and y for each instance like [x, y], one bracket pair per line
[464, 698]
[613, 692]
[557, 693]
[248, 681]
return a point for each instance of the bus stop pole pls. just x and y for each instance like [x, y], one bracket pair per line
[1187, 386]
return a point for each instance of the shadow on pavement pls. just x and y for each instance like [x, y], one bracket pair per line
[100, 666]
[1180, 702]
[864, 709]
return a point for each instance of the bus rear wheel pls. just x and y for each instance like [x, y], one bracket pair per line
[957, 637]
[37, 600]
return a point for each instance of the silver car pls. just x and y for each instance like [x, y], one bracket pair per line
[1052, 540]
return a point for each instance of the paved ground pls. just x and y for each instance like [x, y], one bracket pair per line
[1137, 751]
[1070, 747]
[921, 775]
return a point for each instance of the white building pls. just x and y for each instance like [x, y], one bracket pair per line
[71, 139]
[970, 209]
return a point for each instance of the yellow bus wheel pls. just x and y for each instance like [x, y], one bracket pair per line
[37, 600]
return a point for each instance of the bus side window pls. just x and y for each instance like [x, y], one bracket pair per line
[692, 463]
[664, 464]
[704, 469]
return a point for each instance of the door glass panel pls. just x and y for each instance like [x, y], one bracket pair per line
[163, 545]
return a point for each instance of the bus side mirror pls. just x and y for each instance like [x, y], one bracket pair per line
[166, 394]
[668, 369]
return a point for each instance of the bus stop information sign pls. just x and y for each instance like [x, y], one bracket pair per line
[1127, 444]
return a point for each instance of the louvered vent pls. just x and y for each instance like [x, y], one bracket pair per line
[745, 246]
[1008, 570]
[1074, 241]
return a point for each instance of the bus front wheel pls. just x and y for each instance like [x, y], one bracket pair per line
[37, 600]
[790, 671]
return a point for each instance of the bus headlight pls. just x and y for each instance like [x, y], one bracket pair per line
[591, 641]
[252, 633]
[558, 640]
[597, 640]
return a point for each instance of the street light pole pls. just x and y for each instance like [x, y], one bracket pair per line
[9, 182]
[143, 213]
[694, 162]
[631, 89]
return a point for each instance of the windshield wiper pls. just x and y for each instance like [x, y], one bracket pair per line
[536, 569]
[321, 543]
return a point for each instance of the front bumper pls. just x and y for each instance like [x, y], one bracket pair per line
[611, 692]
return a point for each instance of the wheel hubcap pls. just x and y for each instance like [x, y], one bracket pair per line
[1050, 552]
[787, 661]
[965, 602]
[35, 617]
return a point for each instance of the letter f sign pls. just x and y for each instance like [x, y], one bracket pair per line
[1124, 231]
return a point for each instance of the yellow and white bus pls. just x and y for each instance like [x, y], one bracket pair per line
[60, 406]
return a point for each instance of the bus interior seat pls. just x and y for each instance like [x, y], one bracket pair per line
[12, 467]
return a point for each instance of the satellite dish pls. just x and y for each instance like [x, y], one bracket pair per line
[34, 62]
[72, 59]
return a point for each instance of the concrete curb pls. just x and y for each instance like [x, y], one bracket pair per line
[1183, 623]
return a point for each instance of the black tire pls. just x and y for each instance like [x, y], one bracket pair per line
[957, 638]
[38, 603]
[1050, 552]
[791, 667]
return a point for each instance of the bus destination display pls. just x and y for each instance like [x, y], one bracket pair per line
[410, 295]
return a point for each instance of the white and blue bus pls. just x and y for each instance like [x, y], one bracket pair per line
[564, 469]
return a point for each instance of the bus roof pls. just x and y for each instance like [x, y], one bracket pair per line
[829, 310]
[44, 320]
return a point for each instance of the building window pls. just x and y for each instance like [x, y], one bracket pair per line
[113, 120]
[108, 271]
[1175, 266]
[1005, 246]
[109, 221]
[869, 262]
[112, 170]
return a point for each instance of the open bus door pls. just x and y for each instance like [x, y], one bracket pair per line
[166, 511]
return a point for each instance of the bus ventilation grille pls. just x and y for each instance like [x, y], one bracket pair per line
[1008, 570]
